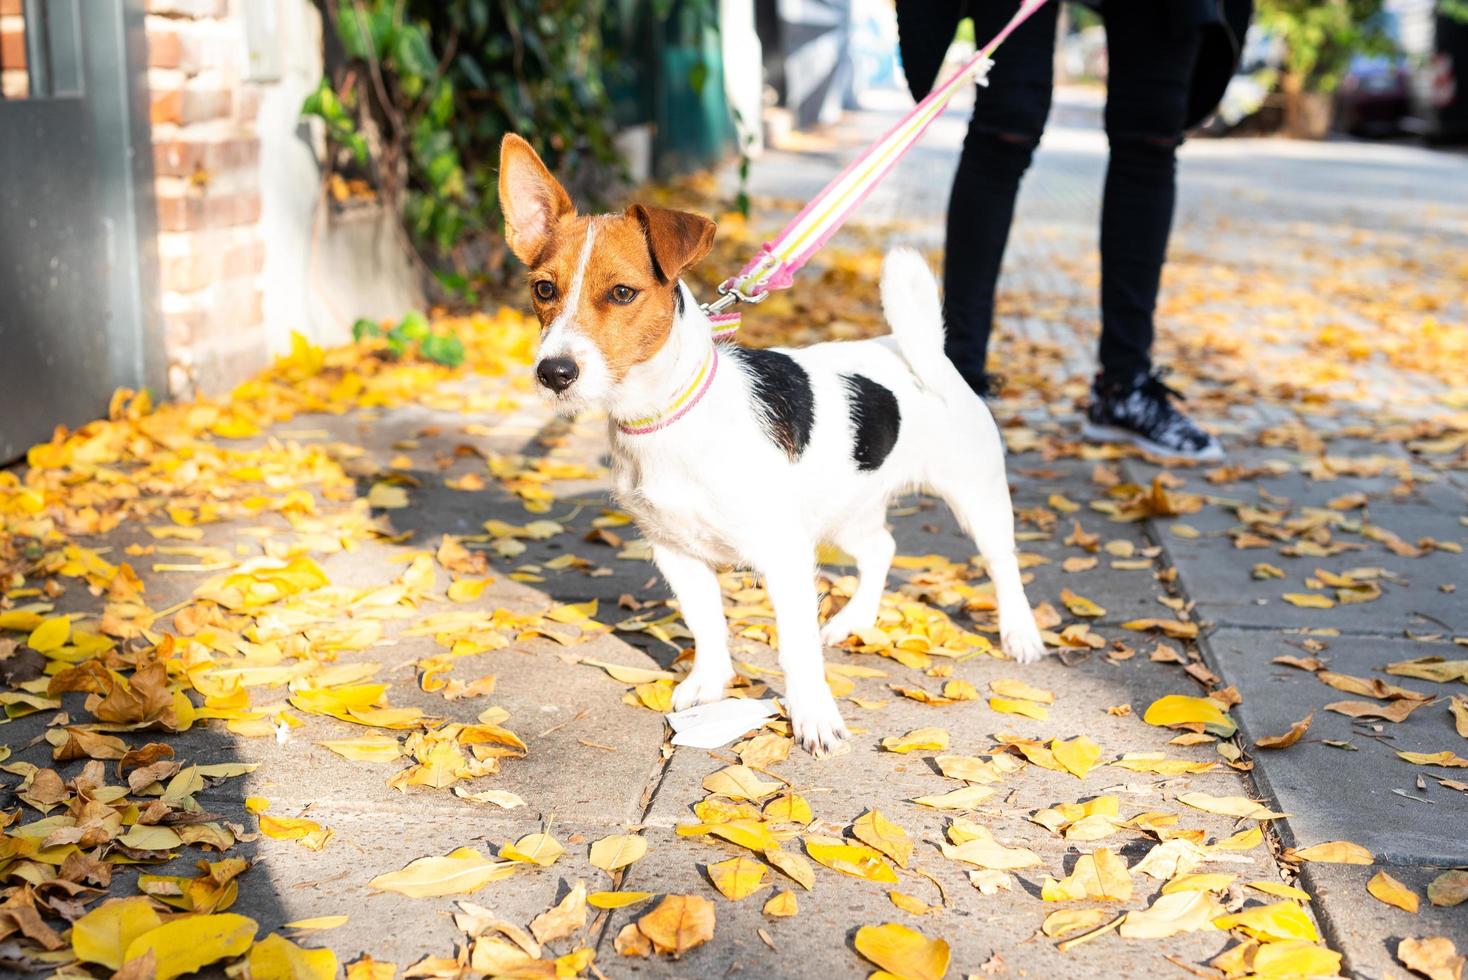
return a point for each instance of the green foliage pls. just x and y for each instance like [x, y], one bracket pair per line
[429, 87]
[412, 333]
[1320, 36]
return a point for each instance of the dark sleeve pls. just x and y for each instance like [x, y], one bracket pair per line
[924, 31]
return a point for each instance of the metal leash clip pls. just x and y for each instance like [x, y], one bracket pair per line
[729, 295]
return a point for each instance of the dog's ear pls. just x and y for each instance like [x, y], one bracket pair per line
[532, 200]
[676, 239]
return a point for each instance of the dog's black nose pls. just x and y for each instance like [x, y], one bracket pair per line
[557, 373]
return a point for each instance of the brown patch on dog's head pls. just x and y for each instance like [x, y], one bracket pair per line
[626, 296]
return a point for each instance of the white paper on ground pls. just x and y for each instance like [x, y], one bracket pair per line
[708, 726]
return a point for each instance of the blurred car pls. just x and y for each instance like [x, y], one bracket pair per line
[1374, 96]
[1435, 43]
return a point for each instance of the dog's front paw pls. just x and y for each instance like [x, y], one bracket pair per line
[1023, 642]
[699, 688]
[849, 620]
[816, 722]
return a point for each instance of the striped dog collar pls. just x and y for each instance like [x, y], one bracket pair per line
[680, 406]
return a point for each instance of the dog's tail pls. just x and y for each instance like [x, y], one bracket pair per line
[910, 302]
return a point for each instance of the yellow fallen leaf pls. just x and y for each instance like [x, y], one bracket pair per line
[616, 900]
[1292, 958]
[782, 905]
[1063, 922]
[1446, 759]
[562, 919]
[1007, 688]
[738, 877]
[191, 943]
[1027, 709]
[740, 783]
[318, 923]
[1079, 605]
[1308, 600]
[460, 871]
[1078, 755]
[277, 958]
[918, 740]
[856, 860]
[501, 798]
[287, 828]
[1101, 875]
[1209, 882]
[541, 849]
[51, 635]
[618, 851]
[1160, 764]
[978, 847]
[789, 808]
[678, 923]
[966, 798]
[903, 952]
[1458, 706]
[630, 675]
[387, 496]
[468, 590]
[796, 867]
[1244, 840]
[1280, 890]
[1434, 957]
[1176, 710]
[1176, 629]
[103, 935]
[366, 968]
[1331, 852]
[909, 903]
[875, 830]
[1272, 923]
[1385, 888]
[1172, 913]
[1229, 806]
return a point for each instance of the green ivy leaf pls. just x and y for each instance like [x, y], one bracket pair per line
[365, 328]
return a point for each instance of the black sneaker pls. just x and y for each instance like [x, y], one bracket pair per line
[1140, 411]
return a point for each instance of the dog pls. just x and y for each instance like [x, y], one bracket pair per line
[727, 455]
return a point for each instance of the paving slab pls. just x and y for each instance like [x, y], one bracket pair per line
[1356, 801]
[1368, 931]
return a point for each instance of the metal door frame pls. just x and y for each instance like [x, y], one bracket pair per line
[94, 55]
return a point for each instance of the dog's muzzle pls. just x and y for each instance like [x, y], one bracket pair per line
[557, 373]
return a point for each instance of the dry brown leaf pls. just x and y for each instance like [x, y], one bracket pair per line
[1296, 732]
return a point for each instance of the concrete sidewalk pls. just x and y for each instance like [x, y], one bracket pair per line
[1283, 251]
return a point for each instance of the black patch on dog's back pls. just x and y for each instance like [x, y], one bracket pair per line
[875, 419]
[782, 392]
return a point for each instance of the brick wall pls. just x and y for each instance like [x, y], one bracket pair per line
[14, 83]
[207, 161]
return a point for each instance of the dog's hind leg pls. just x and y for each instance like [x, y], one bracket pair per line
[980, 501]
[702, 605]
[789, 572]
[871, 544]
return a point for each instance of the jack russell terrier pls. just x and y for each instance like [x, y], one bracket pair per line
[726, 455]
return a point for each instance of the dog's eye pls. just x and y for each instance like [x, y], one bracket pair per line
[544, 290]
[622, 295]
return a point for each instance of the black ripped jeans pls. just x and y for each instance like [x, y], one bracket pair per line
[1150, 67]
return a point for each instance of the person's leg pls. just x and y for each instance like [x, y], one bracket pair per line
[1150, 66]
[1009, 117]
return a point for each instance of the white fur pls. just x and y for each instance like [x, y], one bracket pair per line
[563, 338]
[712, 489]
